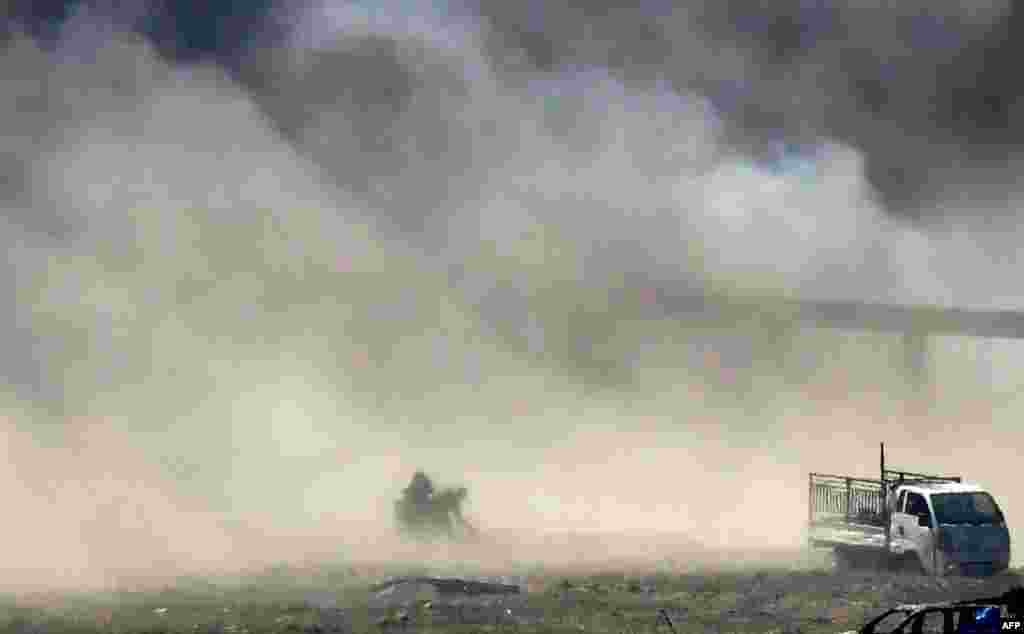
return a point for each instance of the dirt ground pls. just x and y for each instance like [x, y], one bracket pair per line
[728, 595]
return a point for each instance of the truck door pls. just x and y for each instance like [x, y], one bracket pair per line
[898, 526]
[917, 529]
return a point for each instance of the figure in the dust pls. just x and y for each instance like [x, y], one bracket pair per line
[425, 513]
[416, 503]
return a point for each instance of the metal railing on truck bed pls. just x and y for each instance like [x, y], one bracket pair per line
[893, 477]
[842, 499]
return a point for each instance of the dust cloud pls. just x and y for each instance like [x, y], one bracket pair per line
[250, 304]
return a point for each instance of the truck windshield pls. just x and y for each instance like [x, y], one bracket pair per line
[966, 508]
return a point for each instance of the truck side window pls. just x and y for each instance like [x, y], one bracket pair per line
[916, 504]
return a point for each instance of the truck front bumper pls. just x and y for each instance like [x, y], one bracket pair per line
[950, 566]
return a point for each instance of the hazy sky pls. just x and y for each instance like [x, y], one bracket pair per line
[268, 264]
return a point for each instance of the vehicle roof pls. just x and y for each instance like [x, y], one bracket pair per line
[926, 488]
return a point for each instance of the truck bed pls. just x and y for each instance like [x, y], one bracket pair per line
[850, 535]
[845, 512]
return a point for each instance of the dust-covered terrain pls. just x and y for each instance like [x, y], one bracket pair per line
[338, 598]
[261, 271]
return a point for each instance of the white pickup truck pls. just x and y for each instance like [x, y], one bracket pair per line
[937, 524]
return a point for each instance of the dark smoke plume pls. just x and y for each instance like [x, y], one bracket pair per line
[279, 260]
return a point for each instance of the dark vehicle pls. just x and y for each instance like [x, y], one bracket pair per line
[975, 616]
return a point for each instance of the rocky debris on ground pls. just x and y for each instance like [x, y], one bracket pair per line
[411, 589]
[440, 600]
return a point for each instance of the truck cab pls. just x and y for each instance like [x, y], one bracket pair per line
[949, 527]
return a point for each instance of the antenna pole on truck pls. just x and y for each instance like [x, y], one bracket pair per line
[882, 492]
